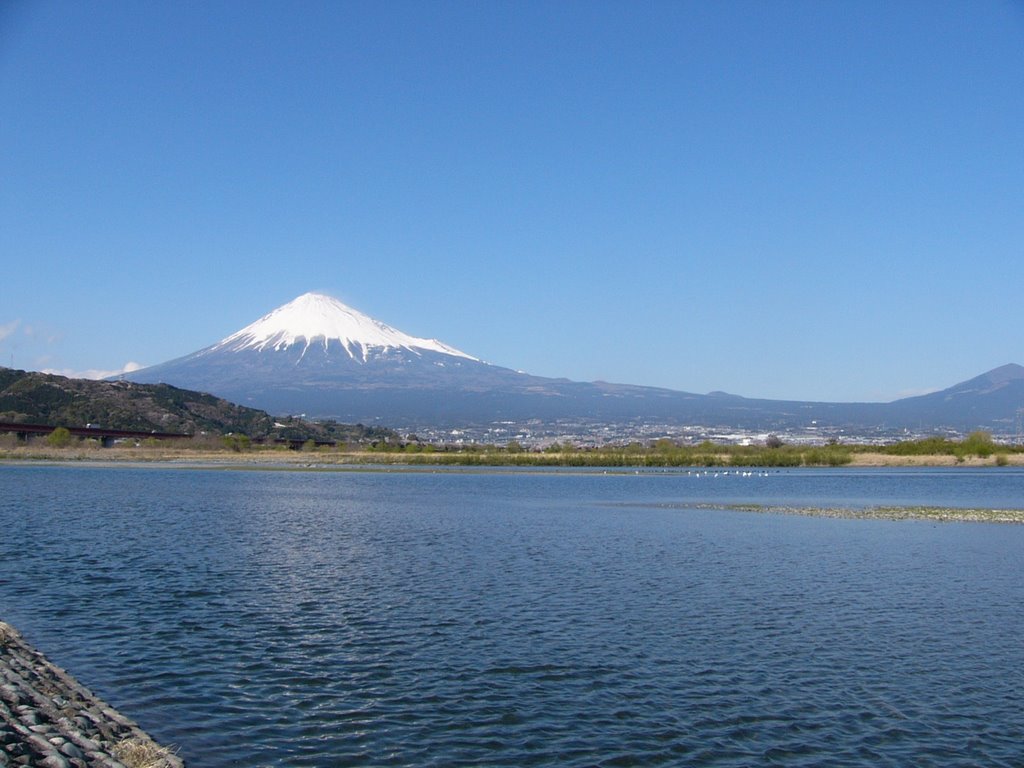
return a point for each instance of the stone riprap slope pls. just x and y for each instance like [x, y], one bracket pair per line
[49, 720]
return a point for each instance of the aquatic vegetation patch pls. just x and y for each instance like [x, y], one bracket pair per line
[936, 514]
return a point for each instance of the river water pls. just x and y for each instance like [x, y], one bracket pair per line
[456, 618]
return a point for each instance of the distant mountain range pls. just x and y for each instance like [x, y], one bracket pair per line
[319, 357]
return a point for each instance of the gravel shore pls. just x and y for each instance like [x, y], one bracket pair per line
[49, 720]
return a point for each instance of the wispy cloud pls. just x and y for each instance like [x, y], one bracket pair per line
[916, 392]
[8, 328]
[888, 397]
[42, 334]
[94, 373]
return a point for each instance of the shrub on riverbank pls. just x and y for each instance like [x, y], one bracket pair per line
[633, 455]
[59, 438]
[978, 443]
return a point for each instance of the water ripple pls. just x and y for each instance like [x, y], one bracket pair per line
[475, 620]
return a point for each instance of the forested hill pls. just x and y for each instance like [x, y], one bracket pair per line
[40, 398]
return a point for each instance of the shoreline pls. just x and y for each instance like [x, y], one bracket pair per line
[931, 460]
[335, 463]
[357, 460]
[48, 719]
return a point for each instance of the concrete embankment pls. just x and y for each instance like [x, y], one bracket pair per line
[47, 719]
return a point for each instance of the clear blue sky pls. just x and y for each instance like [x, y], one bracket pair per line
[813, 200]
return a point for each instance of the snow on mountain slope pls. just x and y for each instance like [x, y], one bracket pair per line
[315, 318]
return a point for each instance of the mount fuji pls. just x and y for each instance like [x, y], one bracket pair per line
[330, 328]
[318, 357]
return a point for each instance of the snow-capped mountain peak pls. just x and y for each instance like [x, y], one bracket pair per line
[315, 318]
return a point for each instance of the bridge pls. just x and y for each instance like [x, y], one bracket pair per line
[106, 437]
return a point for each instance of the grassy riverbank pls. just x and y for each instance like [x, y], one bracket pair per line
[975, 451]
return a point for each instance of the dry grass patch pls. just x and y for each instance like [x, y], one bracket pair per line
[140, 753]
